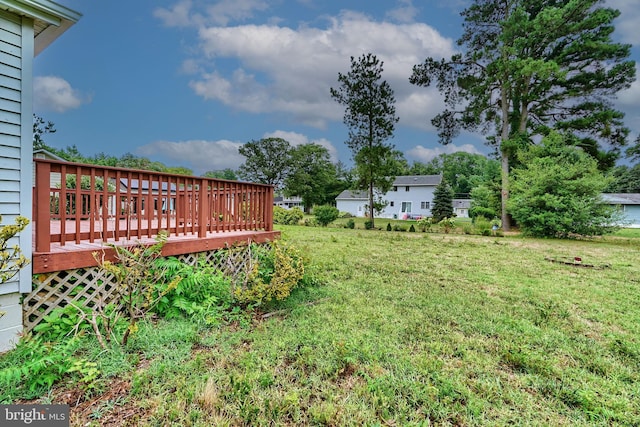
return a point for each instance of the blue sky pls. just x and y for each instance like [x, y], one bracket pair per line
[186, 82]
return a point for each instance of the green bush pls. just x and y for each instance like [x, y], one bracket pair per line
[368, 224]
[325, 214]
[202, 292]
[412, 229]
[350, 224]
[273, 272]
[284, 216]
[447, 224]
[481, 211]
[482, 225]
[345, 215]
[389, 226]
[425, 224]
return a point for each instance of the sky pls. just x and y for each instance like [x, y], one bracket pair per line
[187, 82]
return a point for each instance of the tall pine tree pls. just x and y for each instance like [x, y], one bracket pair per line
[370, 115]
[529, 66]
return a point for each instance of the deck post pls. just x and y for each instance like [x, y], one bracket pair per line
[269, 210]
[42, 215]
[203, 208]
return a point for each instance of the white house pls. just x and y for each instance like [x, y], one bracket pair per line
[410, 197]
[26, 28]
[629, 204]
[288, 202]
[461, 207]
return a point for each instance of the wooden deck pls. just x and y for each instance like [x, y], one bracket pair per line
[199, 214]
[79, 255]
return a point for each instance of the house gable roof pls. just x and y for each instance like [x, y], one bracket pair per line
[50, 19]
[417, 180]
[622, 198]
[352, 195]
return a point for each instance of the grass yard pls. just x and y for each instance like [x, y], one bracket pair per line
[409, 329]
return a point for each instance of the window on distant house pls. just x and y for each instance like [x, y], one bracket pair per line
[406, 207]
[391, 203]
[424, 205]
[406, 188]
[395, 188]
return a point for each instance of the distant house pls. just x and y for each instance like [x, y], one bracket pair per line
[288, 202]
[410, 197]
[26, 28]
[461, 207]
[46, 154]
[629, 204]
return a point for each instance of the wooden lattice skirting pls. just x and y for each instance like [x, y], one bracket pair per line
[89, 286]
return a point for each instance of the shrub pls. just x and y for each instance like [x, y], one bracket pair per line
[351, 224]
[412, 229]
[389, 226]
[345, 215]
[310, 222]
[447, 224]
[139, 279]
[425, 224]
[398, 227]
[325, 214]
[478, 211]
[482, 225]
[11, 259]
[368, 224]
[284, 216]
[203, 291]
[272, 273]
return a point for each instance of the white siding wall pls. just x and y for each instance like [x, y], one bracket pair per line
[416, 195]
[354, 206]
[16, 58]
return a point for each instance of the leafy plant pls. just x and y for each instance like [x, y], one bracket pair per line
[60, 323]
[138, 277]
[325, 214]
[271, 273]
[350, 224]
[425, 224]
[389, 226]
[202, 291]
[287, 216]
[35, 365]
[11, 259]
[447, 224]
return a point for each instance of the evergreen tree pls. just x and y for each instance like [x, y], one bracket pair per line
[442, 202]
[529, 66]
[370, 114]
[556, 191]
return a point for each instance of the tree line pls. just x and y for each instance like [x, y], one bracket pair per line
[532, 75]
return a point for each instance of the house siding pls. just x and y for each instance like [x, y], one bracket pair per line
[16, 57]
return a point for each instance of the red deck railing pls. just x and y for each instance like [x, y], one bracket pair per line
[77, 203]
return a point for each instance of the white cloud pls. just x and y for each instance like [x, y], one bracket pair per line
[234, 10]
[184, 14]
[177, 16]
[424, 154]
[405, 12]
[199, 155]
[627, 23]
[296, 139]
[51, 93]
[285, 70]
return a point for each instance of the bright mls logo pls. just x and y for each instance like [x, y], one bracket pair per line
[34, 415]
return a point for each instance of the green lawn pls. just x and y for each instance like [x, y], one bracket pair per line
[409, 329]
